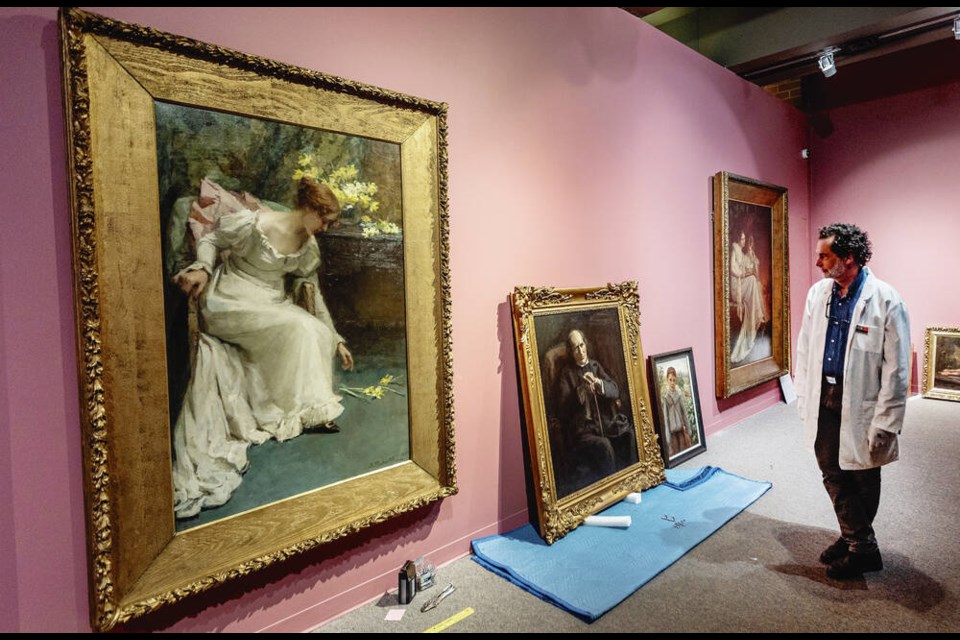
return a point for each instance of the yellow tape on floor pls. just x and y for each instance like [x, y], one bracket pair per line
[449, 622]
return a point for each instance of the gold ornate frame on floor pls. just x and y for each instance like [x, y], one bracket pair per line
[751, 282]
[941, 363]
[113, 73]
[579, 465]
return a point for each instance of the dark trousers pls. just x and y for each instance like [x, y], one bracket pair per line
[855, 493]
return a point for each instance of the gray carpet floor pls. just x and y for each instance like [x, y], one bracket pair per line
[759, 572]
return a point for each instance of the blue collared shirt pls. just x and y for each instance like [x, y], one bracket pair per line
[839, 313]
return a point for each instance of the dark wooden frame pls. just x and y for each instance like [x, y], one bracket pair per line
[656, 362]
[729, 190]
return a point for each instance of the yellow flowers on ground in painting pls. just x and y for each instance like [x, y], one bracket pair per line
[375, 392]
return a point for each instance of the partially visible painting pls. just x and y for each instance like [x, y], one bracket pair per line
[586, 406]
[262, 290]
[751, 283]
[941, 369]
[677, 403]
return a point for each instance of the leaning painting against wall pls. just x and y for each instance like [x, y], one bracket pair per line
[586, 405]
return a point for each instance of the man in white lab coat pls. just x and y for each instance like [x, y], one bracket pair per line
[853, 358]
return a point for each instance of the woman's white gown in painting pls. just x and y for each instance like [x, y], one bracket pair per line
[263, 368]
[745, 268]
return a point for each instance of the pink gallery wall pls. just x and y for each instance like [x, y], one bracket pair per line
[889, 164]
[581, 147]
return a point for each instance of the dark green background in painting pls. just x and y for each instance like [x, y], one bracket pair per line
[361, 281]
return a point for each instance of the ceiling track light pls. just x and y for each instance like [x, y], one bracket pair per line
[956, 28]
[826, 63]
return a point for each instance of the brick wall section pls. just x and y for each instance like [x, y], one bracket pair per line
[787, 90]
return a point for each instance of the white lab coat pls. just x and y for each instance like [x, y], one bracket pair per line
[876, 370]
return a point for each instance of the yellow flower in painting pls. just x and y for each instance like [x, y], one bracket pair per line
[346, 172]
[348, 190]
[376, 392]
[387, 227]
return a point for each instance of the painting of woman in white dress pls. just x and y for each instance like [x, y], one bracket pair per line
[750, 276]
[263, 367]
[287, 242]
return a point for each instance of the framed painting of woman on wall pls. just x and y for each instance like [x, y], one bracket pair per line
[751, 283]
[265, 361]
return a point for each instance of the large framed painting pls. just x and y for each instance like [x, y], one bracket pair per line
[676, 402]
[262, 300]
[941, 366]
[585, 400]
[751, 282]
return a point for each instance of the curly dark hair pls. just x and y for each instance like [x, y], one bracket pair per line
[848, 240]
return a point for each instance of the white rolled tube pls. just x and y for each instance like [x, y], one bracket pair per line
[608, 521]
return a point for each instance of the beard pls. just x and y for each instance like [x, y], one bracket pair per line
[835, 271]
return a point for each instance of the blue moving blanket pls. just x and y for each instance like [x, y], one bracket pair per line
[593, 568]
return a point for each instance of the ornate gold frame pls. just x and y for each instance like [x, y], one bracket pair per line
[931, 336]
[729, 187]
[112, 73]
[558, 515]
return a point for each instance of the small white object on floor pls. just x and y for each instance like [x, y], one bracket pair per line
[394, 614]
[608, 521]
[633, 498]
[786, 386]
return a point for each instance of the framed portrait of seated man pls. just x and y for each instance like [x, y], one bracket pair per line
[586, 407]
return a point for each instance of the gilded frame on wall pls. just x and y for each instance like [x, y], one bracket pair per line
[579, 357]
[941, 363]
[751, 283]
[677, 406]
[113, 74]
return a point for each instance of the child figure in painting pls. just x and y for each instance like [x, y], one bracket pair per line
[264, 366]
[675, 415]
